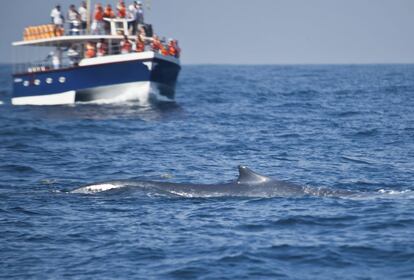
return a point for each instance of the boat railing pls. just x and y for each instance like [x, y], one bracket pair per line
[41, 66]
[109, 26]
[71, 57]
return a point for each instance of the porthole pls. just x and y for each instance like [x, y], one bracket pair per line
[37, 82]
[49, 81]
[26, 83]
[62, 80]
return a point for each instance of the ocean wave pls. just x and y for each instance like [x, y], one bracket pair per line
[406, 193]
[357, 160]
[366, 133]
[17, 168]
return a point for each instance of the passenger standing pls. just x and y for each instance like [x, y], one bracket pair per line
[132, 13]
[121, 9]
[108, 13]
[83, 13]
[139, 15]
[73, 18]
[57, 17]
[98, 20]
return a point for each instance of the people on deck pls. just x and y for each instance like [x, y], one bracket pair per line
[90, 50]
[121, 9]
[102, 48]
[156, 44]
[136, 15]
[83, 13]
[78, 21]
[139, 44]
[132, 11]
[177, 49]
[164, 49]
[57, 17]
[126, 45]
[73, 55]
[98, 23]
[172, 50]
[139, 17]
[142, 33]
[73, 18]
[109, 13]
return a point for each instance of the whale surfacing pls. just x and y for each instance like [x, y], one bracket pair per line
[248, 184]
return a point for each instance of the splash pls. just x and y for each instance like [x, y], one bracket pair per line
[98, 188]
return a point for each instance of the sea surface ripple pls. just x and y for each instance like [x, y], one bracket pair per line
[344, 127]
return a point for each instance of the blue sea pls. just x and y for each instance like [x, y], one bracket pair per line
[342, 127]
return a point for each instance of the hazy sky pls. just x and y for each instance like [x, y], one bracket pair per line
[259, 31]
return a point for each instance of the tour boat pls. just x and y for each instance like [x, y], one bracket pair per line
[66, 76]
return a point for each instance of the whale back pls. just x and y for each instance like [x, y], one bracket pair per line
[248, 176]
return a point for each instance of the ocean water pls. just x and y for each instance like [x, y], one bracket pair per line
[337, 127]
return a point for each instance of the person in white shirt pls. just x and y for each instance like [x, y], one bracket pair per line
[140, 14]
[136, 13]
[83, 13]
[73, 19]
[57, 17]
[132, 11]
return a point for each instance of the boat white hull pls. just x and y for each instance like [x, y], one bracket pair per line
[63, 98]
[142, 92]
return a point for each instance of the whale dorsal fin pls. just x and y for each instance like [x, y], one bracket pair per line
[247, 176]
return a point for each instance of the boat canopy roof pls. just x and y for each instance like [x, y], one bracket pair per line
[63, 41]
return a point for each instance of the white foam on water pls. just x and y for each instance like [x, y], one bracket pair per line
[92, 189]
[409, 193]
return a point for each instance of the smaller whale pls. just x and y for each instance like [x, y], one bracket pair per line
[248, 184]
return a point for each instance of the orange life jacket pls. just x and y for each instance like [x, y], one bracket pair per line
[164, 50]
[156, 45]
[140, 46]
[126, 46]
[99, 15]
[121, 11]
[109, 13]
[171, 50]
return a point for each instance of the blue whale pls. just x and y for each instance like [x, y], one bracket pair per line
[248, 184]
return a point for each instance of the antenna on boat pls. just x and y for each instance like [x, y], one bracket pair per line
[148, 4]
[88, 12]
